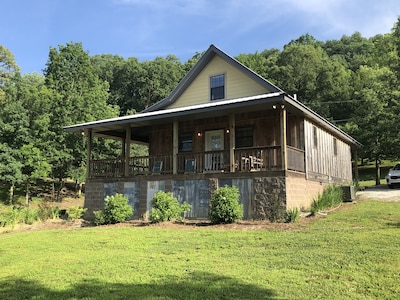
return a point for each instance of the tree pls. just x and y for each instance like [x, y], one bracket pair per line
[78, 96]
[8, 70]
[13, 135]
[377, 114]
[354, 50]
[307, 71]
[34, 167]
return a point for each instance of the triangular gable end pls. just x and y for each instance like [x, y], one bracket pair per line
[195, 86]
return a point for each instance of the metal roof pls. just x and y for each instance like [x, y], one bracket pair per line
[157, 114]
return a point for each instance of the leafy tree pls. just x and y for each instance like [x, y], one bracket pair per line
[8, 70]
[377, 114]
[35, 166]
[160, 78]
[10, 169]
[307, 71]
[354, 50]
[13, 135]
[78, 96]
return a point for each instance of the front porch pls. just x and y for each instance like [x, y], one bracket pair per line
[249, 159]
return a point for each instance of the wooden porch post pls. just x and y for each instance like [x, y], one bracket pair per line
[175, 147]
[89, 153]
[232, 143]
[127, 148]
[283, 138]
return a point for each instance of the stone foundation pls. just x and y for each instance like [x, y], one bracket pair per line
[269, 198]
[264, 196]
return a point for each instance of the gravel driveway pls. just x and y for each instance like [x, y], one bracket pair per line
[380, 193]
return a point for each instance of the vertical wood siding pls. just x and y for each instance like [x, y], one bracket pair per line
[237, 84]
[321, 160]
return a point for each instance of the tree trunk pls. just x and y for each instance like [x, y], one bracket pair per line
[11, 191]
[377, 172]
[80, 189]
[27, 195]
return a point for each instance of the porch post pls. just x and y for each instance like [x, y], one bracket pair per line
[232, 143]
[89, 153]
[283, 138]
[127, 148]
[175, 147]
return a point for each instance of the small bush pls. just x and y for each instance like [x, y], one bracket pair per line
[166, 208]
[116, 210]
[292, 215]
[225, 206]
[75, 212]
[31, 216]
[45, 211]
[331, 196]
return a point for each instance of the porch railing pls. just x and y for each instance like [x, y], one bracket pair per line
[295, 159]
[245, 160]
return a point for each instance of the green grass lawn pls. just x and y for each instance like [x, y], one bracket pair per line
[349, 254]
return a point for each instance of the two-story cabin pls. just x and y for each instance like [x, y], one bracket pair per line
[222, 125]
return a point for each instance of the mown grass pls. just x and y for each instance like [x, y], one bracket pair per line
[350, 254]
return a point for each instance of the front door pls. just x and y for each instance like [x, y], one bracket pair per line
[214, 145]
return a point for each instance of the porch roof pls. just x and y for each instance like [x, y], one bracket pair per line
[115, 127]
[141, 122]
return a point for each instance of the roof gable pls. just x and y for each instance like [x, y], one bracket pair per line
[203, 62]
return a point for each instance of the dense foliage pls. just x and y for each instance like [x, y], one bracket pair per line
[116, 210]
[165, 207]
[353, 82]
[225, 207]
[331, 195]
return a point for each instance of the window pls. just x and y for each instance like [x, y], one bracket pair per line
[315, 136]
[244, 137]
[185, 143]
[334, 146]
[217, 84]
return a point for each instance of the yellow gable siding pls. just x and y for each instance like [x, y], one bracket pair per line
[237, 84]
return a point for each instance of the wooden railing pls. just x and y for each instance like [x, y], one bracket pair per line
[295, 159]
[246, 160]
[258, 159]
[203, 162]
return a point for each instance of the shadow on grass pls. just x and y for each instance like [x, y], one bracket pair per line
[396, 225]
[197, 285]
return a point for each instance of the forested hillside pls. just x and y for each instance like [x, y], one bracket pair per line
[354, 82]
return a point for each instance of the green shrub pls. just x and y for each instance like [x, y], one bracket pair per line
[45, 211]
[331, 196]
[225, 206]
[164, 207]
[75, 212]
[292, 215]
[31, 216]
[116, 210]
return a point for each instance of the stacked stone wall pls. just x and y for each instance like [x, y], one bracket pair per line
[269, 198]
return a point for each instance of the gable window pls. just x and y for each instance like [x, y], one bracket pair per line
[185, 143]
[244, 137]
[217, 84]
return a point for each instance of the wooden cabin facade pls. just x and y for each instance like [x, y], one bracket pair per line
[222, 125]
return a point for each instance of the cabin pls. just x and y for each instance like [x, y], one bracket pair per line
[222, 125]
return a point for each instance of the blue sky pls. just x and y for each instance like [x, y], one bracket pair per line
[149, 28]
